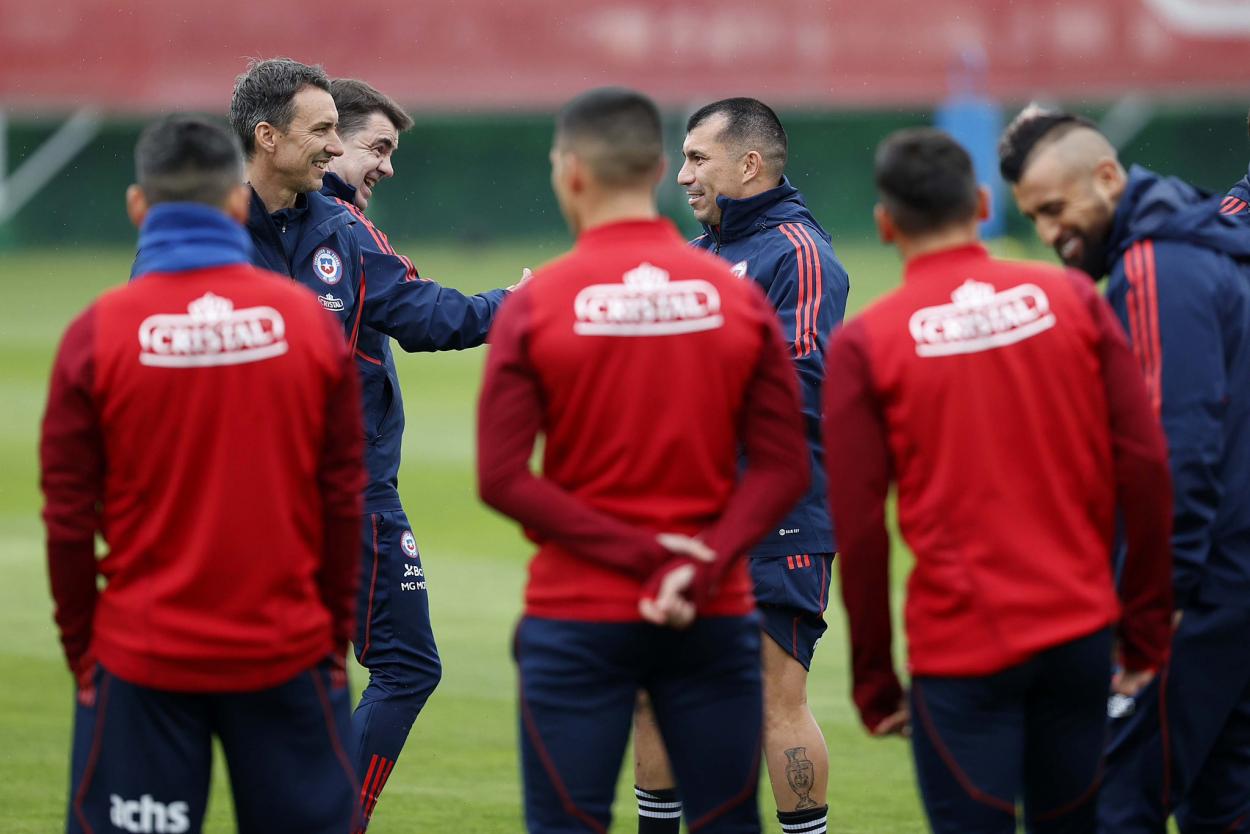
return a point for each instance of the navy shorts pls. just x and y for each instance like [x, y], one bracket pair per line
[142, 758]
[792, 593]
[579, 682]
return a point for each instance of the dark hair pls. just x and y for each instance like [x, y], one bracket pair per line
[357, 101]
[189, 159]
[265, 92]
[1033, 125]
[616, 131]
[750, 122]
[925, 180]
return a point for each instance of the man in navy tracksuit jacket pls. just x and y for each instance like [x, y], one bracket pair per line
[757, 221]
[395, 640]
[1180, 283]
[325, 242]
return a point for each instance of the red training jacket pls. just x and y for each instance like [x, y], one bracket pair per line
[207, 423]
[1004, 400]
[646, 365]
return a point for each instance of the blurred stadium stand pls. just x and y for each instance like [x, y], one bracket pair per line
[482, 77]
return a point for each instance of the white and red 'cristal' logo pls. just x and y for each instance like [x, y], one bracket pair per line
[647, 303]
[978, 319]
[211, 333]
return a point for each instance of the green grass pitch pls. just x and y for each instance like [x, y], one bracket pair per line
[459, 771]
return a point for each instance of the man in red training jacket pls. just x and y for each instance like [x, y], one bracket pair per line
[646, 365]
[205, 419]
[1003, 400]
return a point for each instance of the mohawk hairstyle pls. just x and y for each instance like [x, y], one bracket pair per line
[1031, 126]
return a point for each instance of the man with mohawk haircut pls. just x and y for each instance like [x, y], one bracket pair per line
[1180, 283]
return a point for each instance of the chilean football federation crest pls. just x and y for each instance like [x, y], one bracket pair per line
[328, 265]
[409, 544]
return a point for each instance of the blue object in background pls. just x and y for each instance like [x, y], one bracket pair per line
[975, 121]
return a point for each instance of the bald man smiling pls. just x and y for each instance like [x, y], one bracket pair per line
[1179, 280]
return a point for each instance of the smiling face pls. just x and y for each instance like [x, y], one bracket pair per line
[366, 158]
[1071, 202]
[710, 169]
[303, 151]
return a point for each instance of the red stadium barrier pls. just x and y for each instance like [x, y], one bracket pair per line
[483, 54]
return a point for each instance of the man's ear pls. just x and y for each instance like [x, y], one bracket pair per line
[752, 166]
[984, 204]
[238, 203]
[265, 137]
[887, 232]
[660, 171]
[1109, 178]
[136, 205]
[576, 174]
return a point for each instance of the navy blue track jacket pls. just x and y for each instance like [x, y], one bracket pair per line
[1180, 283]
[1237, 201]
[773, 239]
[326, 244]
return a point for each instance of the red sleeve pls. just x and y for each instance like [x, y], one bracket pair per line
[1143, 494]
[71, 458]
[857, 457]
[777, 469]
[509, 418]
[341, 482]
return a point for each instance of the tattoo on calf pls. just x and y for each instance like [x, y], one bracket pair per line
[801, 776]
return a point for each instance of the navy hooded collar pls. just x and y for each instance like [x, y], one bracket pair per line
[1167, 208]
[176, 237]
[332, 185]
[743, 218]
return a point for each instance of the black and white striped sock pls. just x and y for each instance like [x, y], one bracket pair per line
[809, 821]
[659, 811]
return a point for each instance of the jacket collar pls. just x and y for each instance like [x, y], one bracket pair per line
[629, 230]
[741, 218]
[176, 237]
[942, 261]
[332, 185]
[318, 216]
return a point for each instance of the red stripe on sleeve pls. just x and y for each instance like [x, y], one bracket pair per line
[814, 300]
[1139, 317]
[1156, 342]
[360, 308]
[377, 236]
[1143, 493]
[800, 255]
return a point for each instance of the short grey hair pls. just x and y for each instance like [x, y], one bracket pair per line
[265, 92]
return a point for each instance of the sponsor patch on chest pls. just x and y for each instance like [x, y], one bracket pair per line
[647, 303]
[980, 318]
[211, 333]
